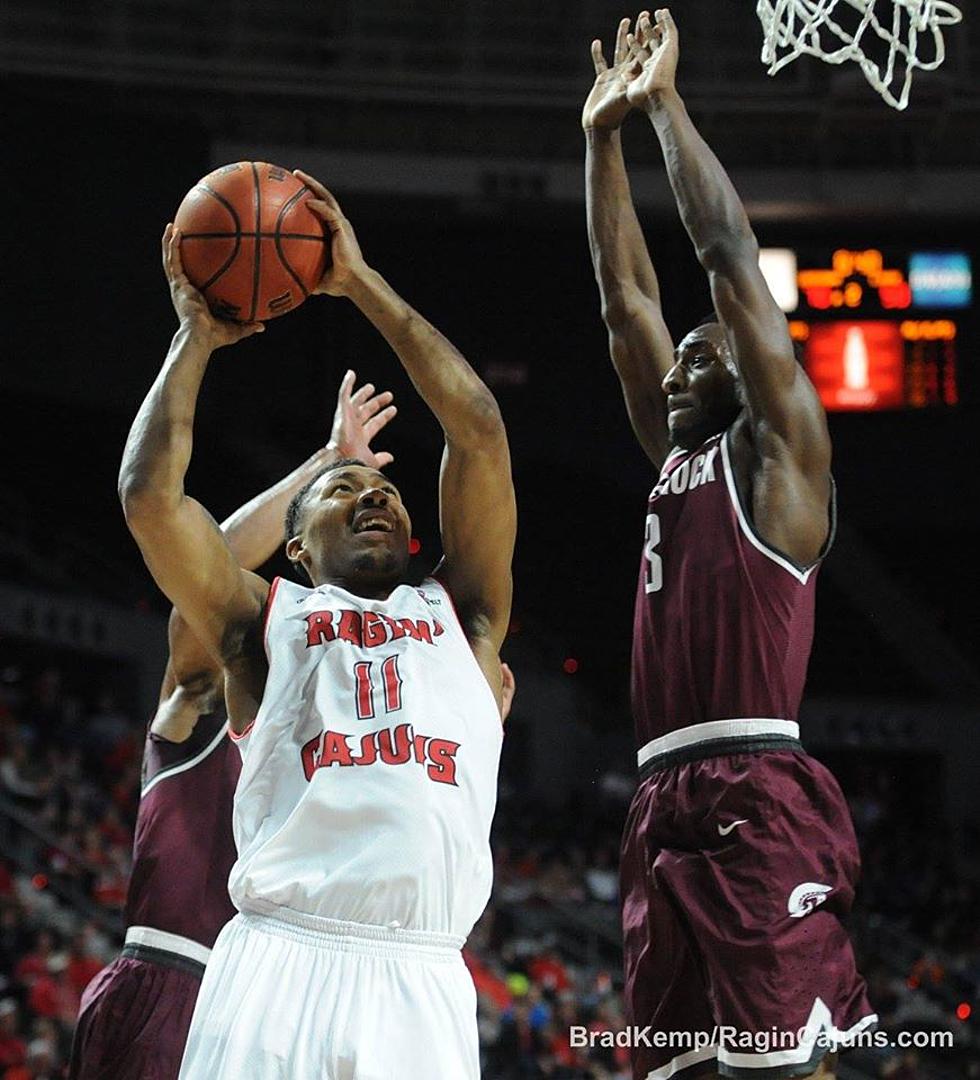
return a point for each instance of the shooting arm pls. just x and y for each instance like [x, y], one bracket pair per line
[477, 508]
[184, 549]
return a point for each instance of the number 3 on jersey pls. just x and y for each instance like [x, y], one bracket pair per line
[655, 565]
[364, 688]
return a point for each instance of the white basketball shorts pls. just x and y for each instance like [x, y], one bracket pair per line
[295, 997]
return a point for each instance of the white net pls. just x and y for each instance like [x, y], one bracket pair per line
[888, 38]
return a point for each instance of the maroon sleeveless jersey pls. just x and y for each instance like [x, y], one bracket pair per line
[723, 622]
[184, 849]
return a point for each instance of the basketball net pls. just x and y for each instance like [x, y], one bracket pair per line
[793, 27]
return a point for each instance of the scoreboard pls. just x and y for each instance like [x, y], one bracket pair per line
[878, 329]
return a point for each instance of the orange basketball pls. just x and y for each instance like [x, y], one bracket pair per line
[250, 243]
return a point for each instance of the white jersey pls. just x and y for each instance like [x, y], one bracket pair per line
[369, 776]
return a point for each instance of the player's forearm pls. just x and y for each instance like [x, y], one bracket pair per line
[158, 449]
[255, 531]
[620, 258]
[709, 205]
[457, 396]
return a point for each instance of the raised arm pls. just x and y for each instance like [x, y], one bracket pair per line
[639, 341]
[193, 679]
[184, 548]
[783, 409]
[477, 509]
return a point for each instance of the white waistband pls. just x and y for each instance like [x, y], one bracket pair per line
[349, 936]
[173, 943]
[712, 730]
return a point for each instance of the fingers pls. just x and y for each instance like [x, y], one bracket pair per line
[165, 247]
[330, 214]
[619, 53]
[376, 423]
[343, 391]
[318, 189]
[646, 31]
[383, 458]
[231, 333]
[598, 60]
[173, 267]
[361, 395]
[376, 404]
[642, 27]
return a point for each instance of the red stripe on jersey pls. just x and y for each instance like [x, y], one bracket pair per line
[364, 690]
[393, 684]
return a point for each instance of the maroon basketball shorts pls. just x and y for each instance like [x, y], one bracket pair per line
[736, 870]
[134, 1017]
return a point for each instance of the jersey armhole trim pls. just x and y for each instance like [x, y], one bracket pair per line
[163, 774]
[801, 573]
[244, 734]
[268, 613]
[434, 576]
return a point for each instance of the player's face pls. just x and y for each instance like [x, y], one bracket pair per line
[702, 389]
[354, 530]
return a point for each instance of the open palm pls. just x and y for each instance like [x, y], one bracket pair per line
[607, 104]
[658, 49]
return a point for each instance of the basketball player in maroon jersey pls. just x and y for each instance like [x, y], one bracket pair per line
[135, 1013]
[739, 856]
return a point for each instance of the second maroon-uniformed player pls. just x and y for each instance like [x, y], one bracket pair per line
[739, 857]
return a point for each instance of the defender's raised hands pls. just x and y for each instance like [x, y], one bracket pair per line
[607, 104]
[656, 47]
[360, 415]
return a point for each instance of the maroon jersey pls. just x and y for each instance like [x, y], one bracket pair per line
[183, 850]
[723, 623]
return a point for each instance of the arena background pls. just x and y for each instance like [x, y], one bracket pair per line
[450, 134]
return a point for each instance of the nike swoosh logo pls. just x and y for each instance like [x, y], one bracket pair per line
[724, 830]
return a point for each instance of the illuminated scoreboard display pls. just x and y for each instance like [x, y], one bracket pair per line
[878, 329]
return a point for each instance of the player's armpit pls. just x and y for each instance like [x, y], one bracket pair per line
[478, 522]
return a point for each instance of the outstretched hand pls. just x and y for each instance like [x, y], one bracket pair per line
[360, 415]
[346, 258]
[656, 47]
[607, 104]
[191, 307]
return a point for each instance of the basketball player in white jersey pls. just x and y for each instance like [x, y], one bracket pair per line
[135, 1014]
[368, 714]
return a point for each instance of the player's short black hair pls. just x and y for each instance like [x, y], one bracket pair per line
[296, 502]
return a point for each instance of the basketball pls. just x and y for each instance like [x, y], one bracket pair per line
[249, 242]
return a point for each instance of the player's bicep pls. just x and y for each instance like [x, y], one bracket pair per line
[189, 558]
[478, 522]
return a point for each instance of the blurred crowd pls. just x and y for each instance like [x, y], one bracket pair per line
[544, 956]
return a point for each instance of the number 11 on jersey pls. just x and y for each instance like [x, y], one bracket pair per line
[655, 565]
[365, 690]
